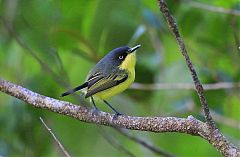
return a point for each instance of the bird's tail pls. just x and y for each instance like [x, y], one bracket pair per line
[74, 89]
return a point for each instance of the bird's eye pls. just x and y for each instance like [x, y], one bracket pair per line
[120, 57]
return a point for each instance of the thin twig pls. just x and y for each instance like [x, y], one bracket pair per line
[152, 148]
[212, 8]
[185, 86]
[55, 138]
[199, 88]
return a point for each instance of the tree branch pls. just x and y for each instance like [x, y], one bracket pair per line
[153, 124]
[186, 86]
[188, 125]
[198, 86]
[213, 8]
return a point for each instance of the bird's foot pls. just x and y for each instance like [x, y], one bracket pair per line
[95, 112]
[116, 115]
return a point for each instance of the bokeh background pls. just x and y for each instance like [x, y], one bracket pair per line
[49, 46]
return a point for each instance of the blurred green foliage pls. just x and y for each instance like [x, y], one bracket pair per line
[70, 36]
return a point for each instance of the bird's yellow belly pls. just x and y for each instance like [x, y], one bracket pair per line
[108, 93]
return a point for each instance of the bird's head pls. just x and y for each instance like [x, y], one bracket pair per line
[123, 57]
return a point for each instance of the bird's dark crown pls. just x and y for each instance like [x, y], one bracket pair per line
[118, 55]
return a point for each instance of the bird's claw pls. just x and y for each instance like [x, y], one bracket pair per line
[95, 112]
[116, 115]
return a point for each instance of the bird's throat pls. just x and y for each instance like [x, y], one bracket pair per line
[129, 62]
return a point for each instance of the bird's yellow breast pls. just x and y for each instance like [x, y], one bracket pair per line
[129, 65]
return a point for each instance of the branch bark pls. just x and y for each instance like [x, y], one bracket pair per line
[188, 125]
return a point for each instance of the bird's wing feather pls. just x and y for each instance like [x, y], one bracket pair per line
[102, 82]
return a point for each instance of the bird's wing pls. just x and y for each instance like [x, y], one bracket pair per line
[99, 82]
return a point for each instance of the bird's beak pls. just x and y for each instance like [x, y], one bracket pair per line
[134, 48]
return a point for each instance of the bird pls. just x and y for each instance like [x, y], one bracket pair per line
[113, 74]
